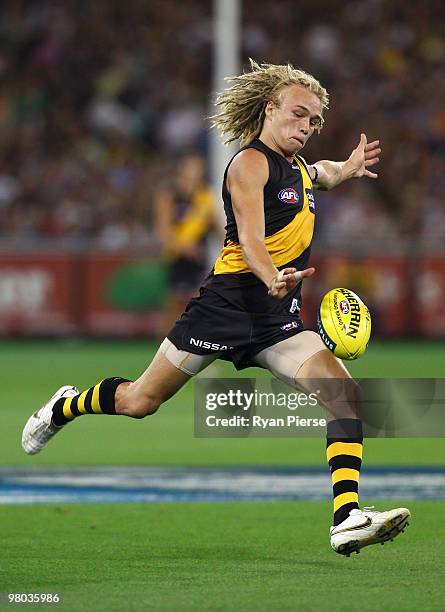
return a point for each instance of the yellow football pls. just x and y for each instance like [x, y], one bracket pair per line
[344, 323]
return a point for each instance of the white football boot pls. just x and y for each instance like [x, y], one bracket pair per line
[367, 526]
[39, 428]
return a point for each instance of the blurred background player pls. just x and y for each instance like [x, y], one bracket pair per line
[184, 214]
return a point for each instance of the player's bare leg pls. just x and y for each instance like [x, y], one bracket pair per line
[160, 381]
[170, 369]
[304, 362]
[340, 401]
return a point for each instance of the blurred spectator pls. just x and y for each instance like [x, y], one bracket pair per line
[97, 99]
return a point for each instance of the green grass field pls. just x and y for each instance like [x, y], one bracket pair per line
[193, 556]
[31, 372]
[230, 556]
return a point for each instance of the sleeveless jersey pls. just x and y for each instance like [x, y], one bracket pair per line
[192, 216]
[289, 211]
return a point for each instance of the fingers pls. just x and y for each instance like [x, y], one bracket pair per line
[373, 153]
[287, 279]
[278, 288]
[280, 283]
[297, 275]
[372, 145]
[304, 274]
[370, 174]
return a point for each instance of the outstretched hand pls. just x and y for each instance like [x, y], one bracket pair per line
[286, 280]
[363, 156]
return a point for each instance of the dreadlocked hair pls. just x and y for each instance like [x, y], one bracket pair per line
[243, 104]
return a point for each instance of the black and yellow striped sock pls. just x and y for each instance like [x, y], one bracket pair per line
[344, 453]
[96, 400]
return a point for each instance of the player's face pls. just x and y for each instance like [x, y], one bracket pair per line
[293, 122]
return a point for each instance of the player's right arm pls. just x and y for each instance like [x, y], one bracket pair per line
[246, 178]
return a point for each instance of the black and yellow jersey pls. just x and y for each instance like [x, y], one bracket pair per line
[192, 217]
[289, 212]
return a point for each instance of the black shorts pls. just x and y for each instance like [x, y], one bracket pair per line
[185, 275]
[238, 319]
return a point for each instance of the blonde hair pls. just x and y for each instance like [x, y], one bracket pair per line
[243, 104]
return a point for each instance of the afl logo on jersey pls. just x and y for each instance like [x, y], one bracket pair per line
[289, 196]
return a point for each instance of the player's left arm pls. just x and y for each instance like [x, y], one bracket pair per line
[327, 174]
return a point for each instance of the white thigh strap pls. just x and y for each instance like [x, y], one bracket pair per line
[189, 363]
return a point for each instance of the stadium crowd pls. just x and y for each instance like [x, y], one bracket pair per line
[98, 99]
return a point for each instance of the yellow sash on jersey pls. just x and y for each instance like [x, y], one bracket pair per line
[284, 246]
